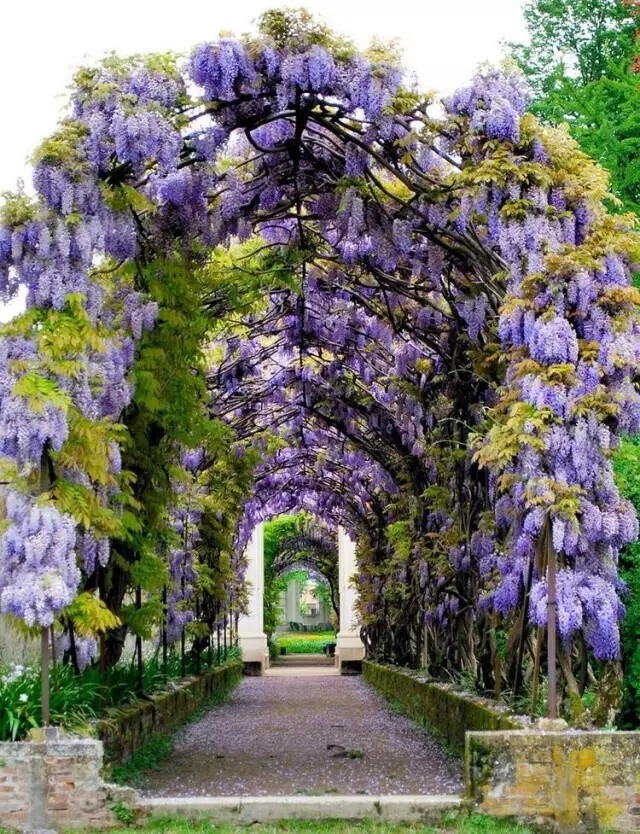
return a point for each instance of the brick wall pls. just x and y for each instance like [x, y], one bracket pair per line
[15, 779]
[578, 781]
[56, 784]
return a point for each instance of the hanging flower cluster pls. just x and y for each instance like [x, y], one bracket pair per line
[185, 517]
[38, 571]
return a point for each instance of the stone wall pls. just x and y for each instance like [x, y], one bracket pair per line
[578, 781]
[56, 784]
[443, 710]
[124, 730]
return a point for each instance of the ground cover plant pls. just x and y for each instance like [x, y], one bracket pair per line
[76, 699]
[275, 276]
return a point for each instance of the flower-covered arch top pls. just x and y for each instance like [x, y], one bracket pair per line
[421, 326]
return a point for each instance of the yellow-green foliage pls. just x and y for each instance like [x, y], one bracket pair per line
[90, 616]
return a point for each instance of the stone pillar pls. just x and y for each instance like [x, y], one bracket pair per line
[293, 600]
[253, 640]
[349, 648]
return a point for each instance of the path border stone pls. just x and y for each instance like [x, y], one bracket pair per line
[578, 781]
[246, 810]
[125, 729]
[440, 708]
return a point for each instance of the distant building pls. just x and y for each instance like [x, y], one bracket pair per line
[303, 606]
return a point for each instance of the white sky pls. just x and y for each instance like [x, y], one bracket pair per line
[42, 41]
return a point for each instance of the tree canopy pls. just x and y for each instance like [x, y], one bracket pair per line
[580, 61]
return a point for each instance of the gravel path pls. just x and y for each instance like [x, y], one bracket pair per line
[303, 735]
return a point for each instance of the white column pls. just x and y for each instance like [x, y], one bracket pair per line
[253, 640]
[293, 600]
[349, 645]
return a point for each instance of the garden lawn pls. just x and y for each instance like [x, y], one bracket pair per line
[450, 825]
[305, 642]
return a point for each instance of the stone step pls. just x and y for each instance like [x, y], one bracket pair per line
[304, 660]
[247, 810]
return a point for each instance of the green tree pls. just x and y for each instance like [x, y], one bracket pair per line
[276, 532]
[579, 61]
[627, 470]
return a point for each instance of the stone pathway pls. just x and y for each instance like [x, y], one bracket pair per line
[307, 735]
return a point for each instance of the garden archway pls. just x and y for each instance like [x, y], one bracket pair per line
[313, 547]
[252, 638]
[423, 324]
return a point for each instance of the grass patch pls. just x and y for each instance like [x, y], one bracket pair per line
[451, 824]
[154, 751]
[304, 642]
[149, 757]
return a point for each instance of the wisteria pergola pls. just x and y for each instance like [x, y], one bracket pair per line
[314, 549]
[422, 328]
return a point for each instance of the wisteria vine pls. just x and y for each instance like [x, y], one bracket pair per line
[433, 340]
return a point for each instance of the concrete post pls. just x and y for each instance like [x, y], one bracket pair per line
[253, 640]
[349, 648]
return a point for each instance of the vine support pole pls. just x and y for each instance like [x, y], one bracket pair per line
[139, 675]
[197, 651]
[44, 658]
[183, 660]
[45, 484]
[164, 633]
[54, 662]
[552, 604]
[523, 628]
[536, 672]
